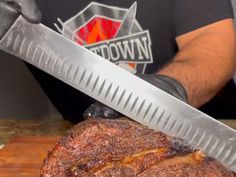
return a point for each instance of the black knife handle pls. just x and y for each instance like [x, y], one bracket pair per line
[11, 9]
[8, 15]
[28, 9]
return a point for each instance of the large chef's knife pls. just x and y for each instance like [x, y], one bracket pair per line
[119, 89]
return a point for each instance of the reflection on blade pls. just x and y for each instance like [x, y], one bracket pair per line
[119, 89]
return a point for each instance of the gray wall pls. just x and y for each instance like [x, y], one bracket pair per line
[20, 94]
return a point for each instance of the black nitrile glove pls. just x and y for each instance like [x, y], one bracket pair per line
[11, 9]
[167, 84]
[162, 82]
[98, 109]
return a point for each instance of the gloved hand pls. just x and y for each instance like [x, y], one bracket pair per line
[162, 82]
[167, 84]
[11, 9]
[98, 109]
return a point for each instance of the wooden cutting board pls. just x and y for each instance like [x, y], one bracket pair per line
[24, 156]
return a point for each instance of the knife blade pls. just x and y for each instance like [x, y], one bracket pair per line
[119, 89]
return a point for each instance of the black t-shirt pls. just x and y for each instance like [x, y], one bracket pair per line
[147, 45]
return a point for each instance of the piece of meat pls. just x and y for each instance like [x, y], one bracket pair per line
[121, 147]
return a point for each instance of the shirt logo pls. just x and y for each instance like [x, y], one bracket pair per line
[113, 33]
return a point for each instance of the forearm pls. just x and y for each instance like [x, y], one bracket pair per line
[204, 65]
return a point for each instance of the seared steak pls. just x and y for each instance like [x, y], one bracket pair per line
[121, 147]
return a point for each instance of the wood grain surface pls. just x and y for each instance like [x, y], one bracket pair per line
[24, 156]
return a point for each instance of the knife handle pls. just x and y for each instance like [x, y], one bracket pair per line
[11, 9]
[8, 15]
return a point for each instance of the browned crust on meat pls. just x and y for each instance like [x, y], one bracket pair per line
[101, 147]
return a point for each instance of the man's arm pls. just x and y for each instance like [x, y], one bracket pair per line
[205, 61]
